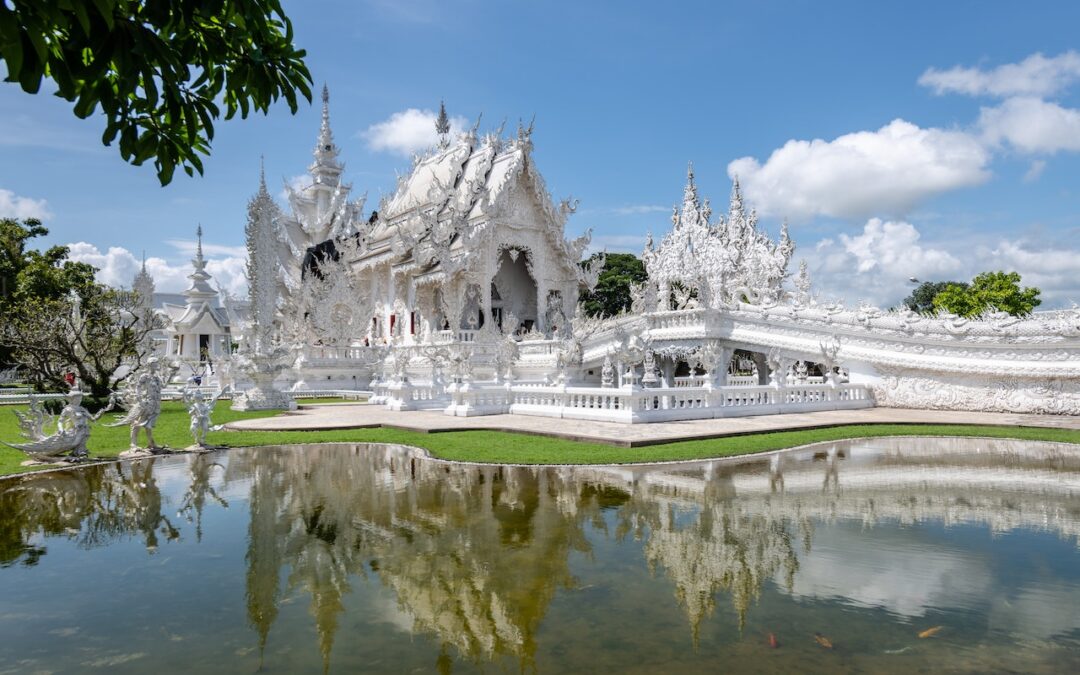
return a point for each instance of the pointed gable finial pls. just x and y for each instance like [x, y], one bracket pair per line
[736, 206]
[144, 260]
[198, 244]
[475, 131]
[262, 172]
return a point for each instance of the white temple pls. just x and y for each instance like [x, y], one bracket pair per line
[460, 293]
[195, 328]
[198, 330]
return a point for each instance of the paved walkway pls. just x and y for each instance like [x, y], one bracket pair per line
[356, 416]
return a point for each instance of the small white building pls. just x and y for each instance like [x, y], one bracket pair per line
[196, 331]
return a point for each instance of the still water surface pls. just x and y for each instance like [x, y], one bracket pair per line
[372, 558]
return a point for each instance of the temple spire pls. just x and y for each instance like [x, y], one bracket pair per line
[326, 169]
[143, 284]
[691, 202]
[200, 288]
[736, 196]
[442, 123]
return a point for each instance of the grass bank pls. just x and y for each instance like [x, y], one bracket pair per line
[171, 430]
[511, 448]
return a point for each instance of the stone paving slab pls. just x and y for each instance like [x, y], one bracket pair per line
[359, 416]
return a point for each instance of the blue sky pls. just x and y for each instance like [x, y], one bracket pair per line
[921, 139]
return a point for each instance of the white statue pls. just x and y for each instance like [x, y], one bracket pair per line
[142, 399]
[68, 443]
[199, 409]
[649, 379]
[607, 373]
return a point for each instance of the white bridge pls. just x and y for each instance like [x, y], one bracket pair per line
[999, 363]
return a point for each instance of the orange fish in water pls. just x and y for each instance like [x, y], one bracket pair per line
[823, 641]
[773, 642]
[930, 632]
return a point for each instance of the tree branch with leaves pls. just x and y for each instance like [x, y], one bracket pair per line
[157, 69]
[92, 334]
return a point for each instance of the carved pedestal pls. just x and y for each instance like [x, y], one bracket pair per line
[263, 396]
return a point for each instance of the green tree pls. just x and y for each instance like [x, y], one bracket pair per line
[612, 292]
[91, 334]
[157, 68]
[921, 299]
[998, 290]
[55, 319]
[28, 273]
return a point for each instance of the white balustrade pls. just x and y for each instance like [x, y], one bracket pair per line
[691, 381]
[742, 380]
[621, 404]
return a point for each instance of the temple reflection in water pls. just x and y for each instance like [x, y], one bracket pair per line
[476, 555]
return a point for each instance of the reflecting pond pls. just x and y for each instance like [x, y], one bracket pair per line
[368, 557]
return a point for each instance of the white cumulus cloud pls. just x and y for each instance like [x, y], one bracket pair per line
[21, 208]
[408, 131]
[890, 170]
[1053, 269]
[1037, 75]
[1035, 171]
[877, 264]
[1032, 125]
[117, 267]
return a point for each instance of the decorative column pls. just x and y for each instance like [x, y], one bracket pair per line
[762, 363]
[410, 307]
[485, 299]
[388, 305]
[719, 357]
[541, 307]
[667, 370]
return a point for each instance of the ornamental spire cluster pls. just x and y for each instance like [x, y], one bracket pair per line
[726, 261]
[263, 265]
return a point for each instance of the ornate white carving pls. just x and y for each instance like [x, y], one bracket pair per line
[141, 397]
[718, 263]
[715, 285]
[199, 410]
[914, 389]
[68, 442]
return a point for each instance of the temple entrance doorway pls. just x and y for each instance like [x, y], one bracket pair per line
[513, 292]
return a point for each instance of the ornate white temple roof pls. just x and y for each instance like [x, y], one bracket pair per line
[453, 191]
[201, 299]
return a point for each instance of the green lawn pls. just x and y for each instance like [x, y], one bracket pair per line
[172, 430]
[498, 446]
